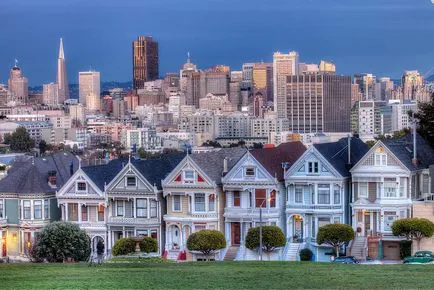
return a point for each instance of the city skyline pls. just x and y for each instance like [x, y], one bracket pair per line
[231, 42]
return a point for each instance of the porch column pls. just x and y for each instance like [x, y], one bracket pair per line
[22, 241]
[305, 228]
[363, 224]
[183, 242]
[134, 207]
[371, 221]
[378, 221]
[228, 233]
[79, 212]
[315, 193]
[109, 242]
[1, 243]
[169, 237]
[66, 211]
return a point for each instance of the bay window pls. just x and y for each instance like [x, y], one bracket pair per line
[141, 207]
[37, 209]
[211, 202]
[390, 187]
[389, 218]
[323, 193]
[199, 202]
[337, 195]
[363, 189]
[176, 202]
[237, 198]
[273, 198]
[120, 208]
[26, 210]
[153, 208]
[260, 197]
[298, 194]
[47, 209]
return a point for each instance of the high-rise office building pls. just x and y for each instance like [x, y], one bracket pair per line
[89, 88]
[284, 65]
[62, 76]
[18, 85]
[145, 61]
[326, 66]
[384, 89]
[318, 103]
[366, 84]
[247, 71]
[411, 82]
[263, 80]
[50, 94]
[187, 68]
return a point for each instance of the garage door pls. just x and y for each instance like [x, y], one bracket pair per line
[391, 250]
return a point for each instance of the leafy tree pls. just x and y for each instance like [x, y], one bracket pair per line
[272, 238]
[258, 145]
[214, 144]
[335, 235]
[370, 143]
[60, 241]
[413, 229]
[206, 241]
[425, 117]
[42, 147]
[20, 140]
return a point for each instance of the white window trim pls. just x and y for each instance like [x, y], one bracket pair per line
[188, 180]
[249, 176]
[194, 203]
[42, 209]
[379, 156]
[295, 194]
[359, 191]
[313, 167]
[81, 191]
[126, 181]
[173, 203]
[397, 189]
[215, 201]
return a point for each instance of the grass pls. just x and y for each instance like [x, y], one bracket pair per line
[223, 275]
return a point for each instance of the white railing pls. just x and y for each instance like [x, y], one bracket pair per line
[250, 211]
[132, 220]
[314, 206]
[204, 215]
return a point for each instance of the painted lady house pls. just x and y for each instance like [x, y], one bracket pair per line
[256, 184]
[385, 181]
[318, 187]
[28, 199]
[194, 198]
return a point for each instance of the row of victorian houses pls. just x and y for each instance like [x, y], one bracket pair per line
[296, 188]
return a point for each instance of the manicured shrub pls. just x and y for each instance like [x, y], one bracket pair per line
[149, 245]
[60, 241]
[335, 235]
[306, 255]
[272, 238]
[404, 249]
[206, 241]
[413, 229]
[124, 246]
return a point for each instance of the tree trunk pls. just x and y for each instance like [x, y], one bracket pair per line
[418, 244]
[337, 251]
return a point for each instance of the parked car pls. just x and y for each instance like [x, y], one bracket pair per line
[420, 257]
[345, 260]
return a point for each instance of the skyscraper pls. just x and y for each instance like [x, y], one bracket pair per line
[366, 84]
[145, 61]
[18, 85]
[411, 80]
[89, 89]
[284, 65]
[50, 94]
[62, 77]
[263, 80]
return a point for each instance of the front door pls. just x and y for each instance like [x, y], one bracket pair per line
[367, 223]
[235, 233]
[4, 246]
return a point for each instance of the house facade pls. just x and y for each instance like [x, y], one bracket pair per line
[28, 200]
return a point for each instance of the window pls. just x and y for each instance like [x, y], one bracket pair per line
[26, 209]
[322, 221]
[211, 202]
[131, 181]
[153, 208]
[363, 189]
[120, 208]
[47, 209]
[199, 202]
[100, 213]
[336, 220]
[313, 167]
[273, 198]
[73, 212]
[237, 198]
[81, 186]
[390, 187]
[198, 228]
[84, 213]
[298, 194]
[1, 209]
[380, 157]
[176, 203]
[389, 218]
[37, 209]
[260, 196]
[337, 195]
[154, 234]
[141, 207]
[143, 233]
[402, 192]
[249, 172]
[188, 176]
[323, 193]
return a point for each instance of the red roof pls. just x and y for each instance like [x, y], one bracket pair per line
[272, 158]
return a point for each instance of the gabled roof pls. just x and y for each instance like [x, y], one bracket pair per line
[211, 163]
[272, 158]
[29, 175]
[402, 148]
[154, 170]
[336, 153]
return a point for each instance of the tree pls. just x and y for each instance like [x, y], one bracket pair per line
[60, 241]
[257, 145]
[413, 229]
[370, 143]
[20, 140]
[206, 241]
[272, 238]
[42, 147]
[335, 235]
[425, 117]
[149, 245]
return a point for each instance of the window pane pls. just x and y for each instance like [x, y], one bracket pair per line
[131, 181]
[120, 208]
[26, 211]
[199, 202]
[100, 213]
[337, 195]
[142, 207]
[189, 174]
[237, 198]
[47, 209]
[37, 209]
[81, 186]
[260, 196]
[298, 194]
[153, 208]
[84, 213]
[211, 204]
[1, 208]
[250, 172]
[177, 202]
[323, 193]
[73, 212]
[273, 198]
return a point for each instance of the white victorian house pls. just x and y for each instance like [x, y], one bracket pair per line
[255, 184]
[318, 193]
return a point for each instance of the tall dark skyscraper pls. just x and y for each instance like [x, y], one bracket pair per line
[62, 77]
[318, 103]
[145, 61]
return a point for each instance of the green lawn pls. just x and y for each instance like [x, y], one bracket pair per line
[234, 275]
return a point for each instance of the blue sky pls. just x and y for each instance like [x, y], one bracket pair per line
[384, 37]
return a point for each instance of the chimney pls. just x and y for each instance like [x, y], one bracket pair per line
[52, 177]
[225, 165]
[414, 160]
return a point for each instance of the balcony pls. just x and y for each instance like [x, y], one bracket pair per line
[250, 212]
[314, 206]
[204, 215]
[119, 220]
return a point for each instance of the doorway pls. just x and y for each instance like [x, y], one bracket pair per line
[235, 233]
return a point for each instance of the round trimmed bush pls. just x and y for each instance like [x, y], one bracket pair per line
[60, 241]
[124, 246]
[306, 255]
[272, 238]
[206, 241]
[149, 245]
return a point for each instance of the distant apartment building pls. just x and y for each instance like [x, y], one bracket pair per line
[401, 118]
[90, 90]
[145, 138]
[145, 61]
[217, 103]
[263, 80]
[371, 118]
[50, 94]
[366, 84]
[326, 66]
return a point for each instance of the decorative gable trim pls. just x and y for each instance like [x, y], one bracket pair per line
[79, 175]
[129, 170]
